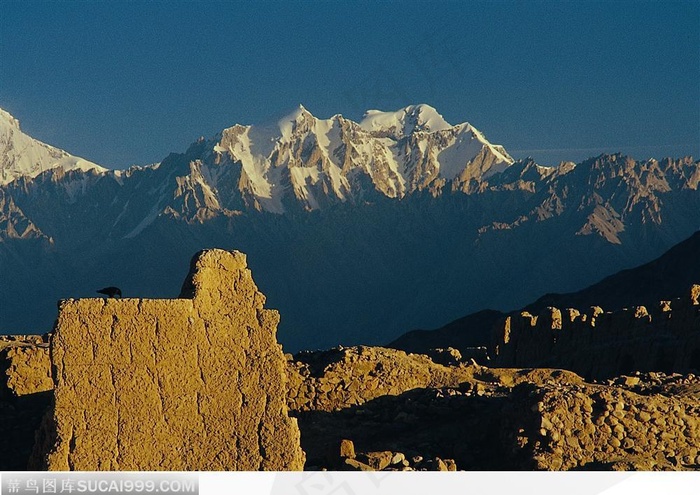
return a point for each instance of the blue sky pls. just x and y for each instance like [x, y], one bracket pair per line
[124, 83]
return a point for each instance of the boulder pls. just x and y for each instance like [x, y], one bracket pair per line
[377, 460]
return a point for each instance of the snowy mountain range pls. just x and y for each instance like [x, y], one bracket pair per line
[302, 159]
[356, 231]
[321, 161]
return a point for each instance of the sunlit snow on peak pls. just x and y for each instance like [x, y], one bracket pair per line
[286, 123]
[405, 121]
[24, 156]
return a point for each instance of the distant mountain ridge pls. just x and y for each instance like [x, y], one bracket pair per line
[664, 278]
[354, 230]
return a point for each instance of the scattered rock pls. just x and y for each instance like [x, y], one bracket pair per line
[355, 465]
[451, 464]
[377, 460]
[398, 458]
[347, 449]
[447, 357]
[314, 377]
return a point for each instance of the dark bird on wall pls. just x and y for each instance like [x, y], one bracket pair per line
[111, 291]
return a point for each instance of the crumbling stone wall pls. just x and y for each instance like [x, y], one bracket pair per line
[565, 426]
[25, 365]
[196, 383]
[25, 384]
[597, 344]
[481, 418]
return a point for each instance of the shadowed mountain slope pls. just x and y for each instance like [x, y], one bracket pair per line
[667, 277]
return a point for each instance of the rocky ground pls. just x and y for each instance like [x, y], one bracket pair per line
[365, 408]
[370, 408]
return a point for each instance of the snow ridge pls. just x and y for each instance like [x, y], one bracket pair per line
[24, 156]
[405, 121]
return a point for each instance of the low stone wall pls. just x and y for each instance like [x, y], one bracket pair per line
[596, 344]
[566, 426]
[196, 383]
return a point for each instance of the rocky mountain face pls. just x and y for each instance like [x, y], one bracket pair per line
[356, 230]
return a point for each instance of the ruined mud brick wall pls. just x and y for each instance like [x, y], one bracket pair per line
[25, 395]
[196, 383]
[597, 344]
[25, 365]
[416, 409]
[565, 426]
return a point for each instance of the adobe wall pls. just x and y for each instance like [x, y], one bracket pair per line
[599, 344]
[196, 383]
[25, 395]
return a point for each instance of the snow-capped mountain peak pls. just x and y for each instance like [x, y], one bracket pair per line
[7, 120]
[300, 161]
[289, 122]
[22, 155]
[403, 122]
[317, 162]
